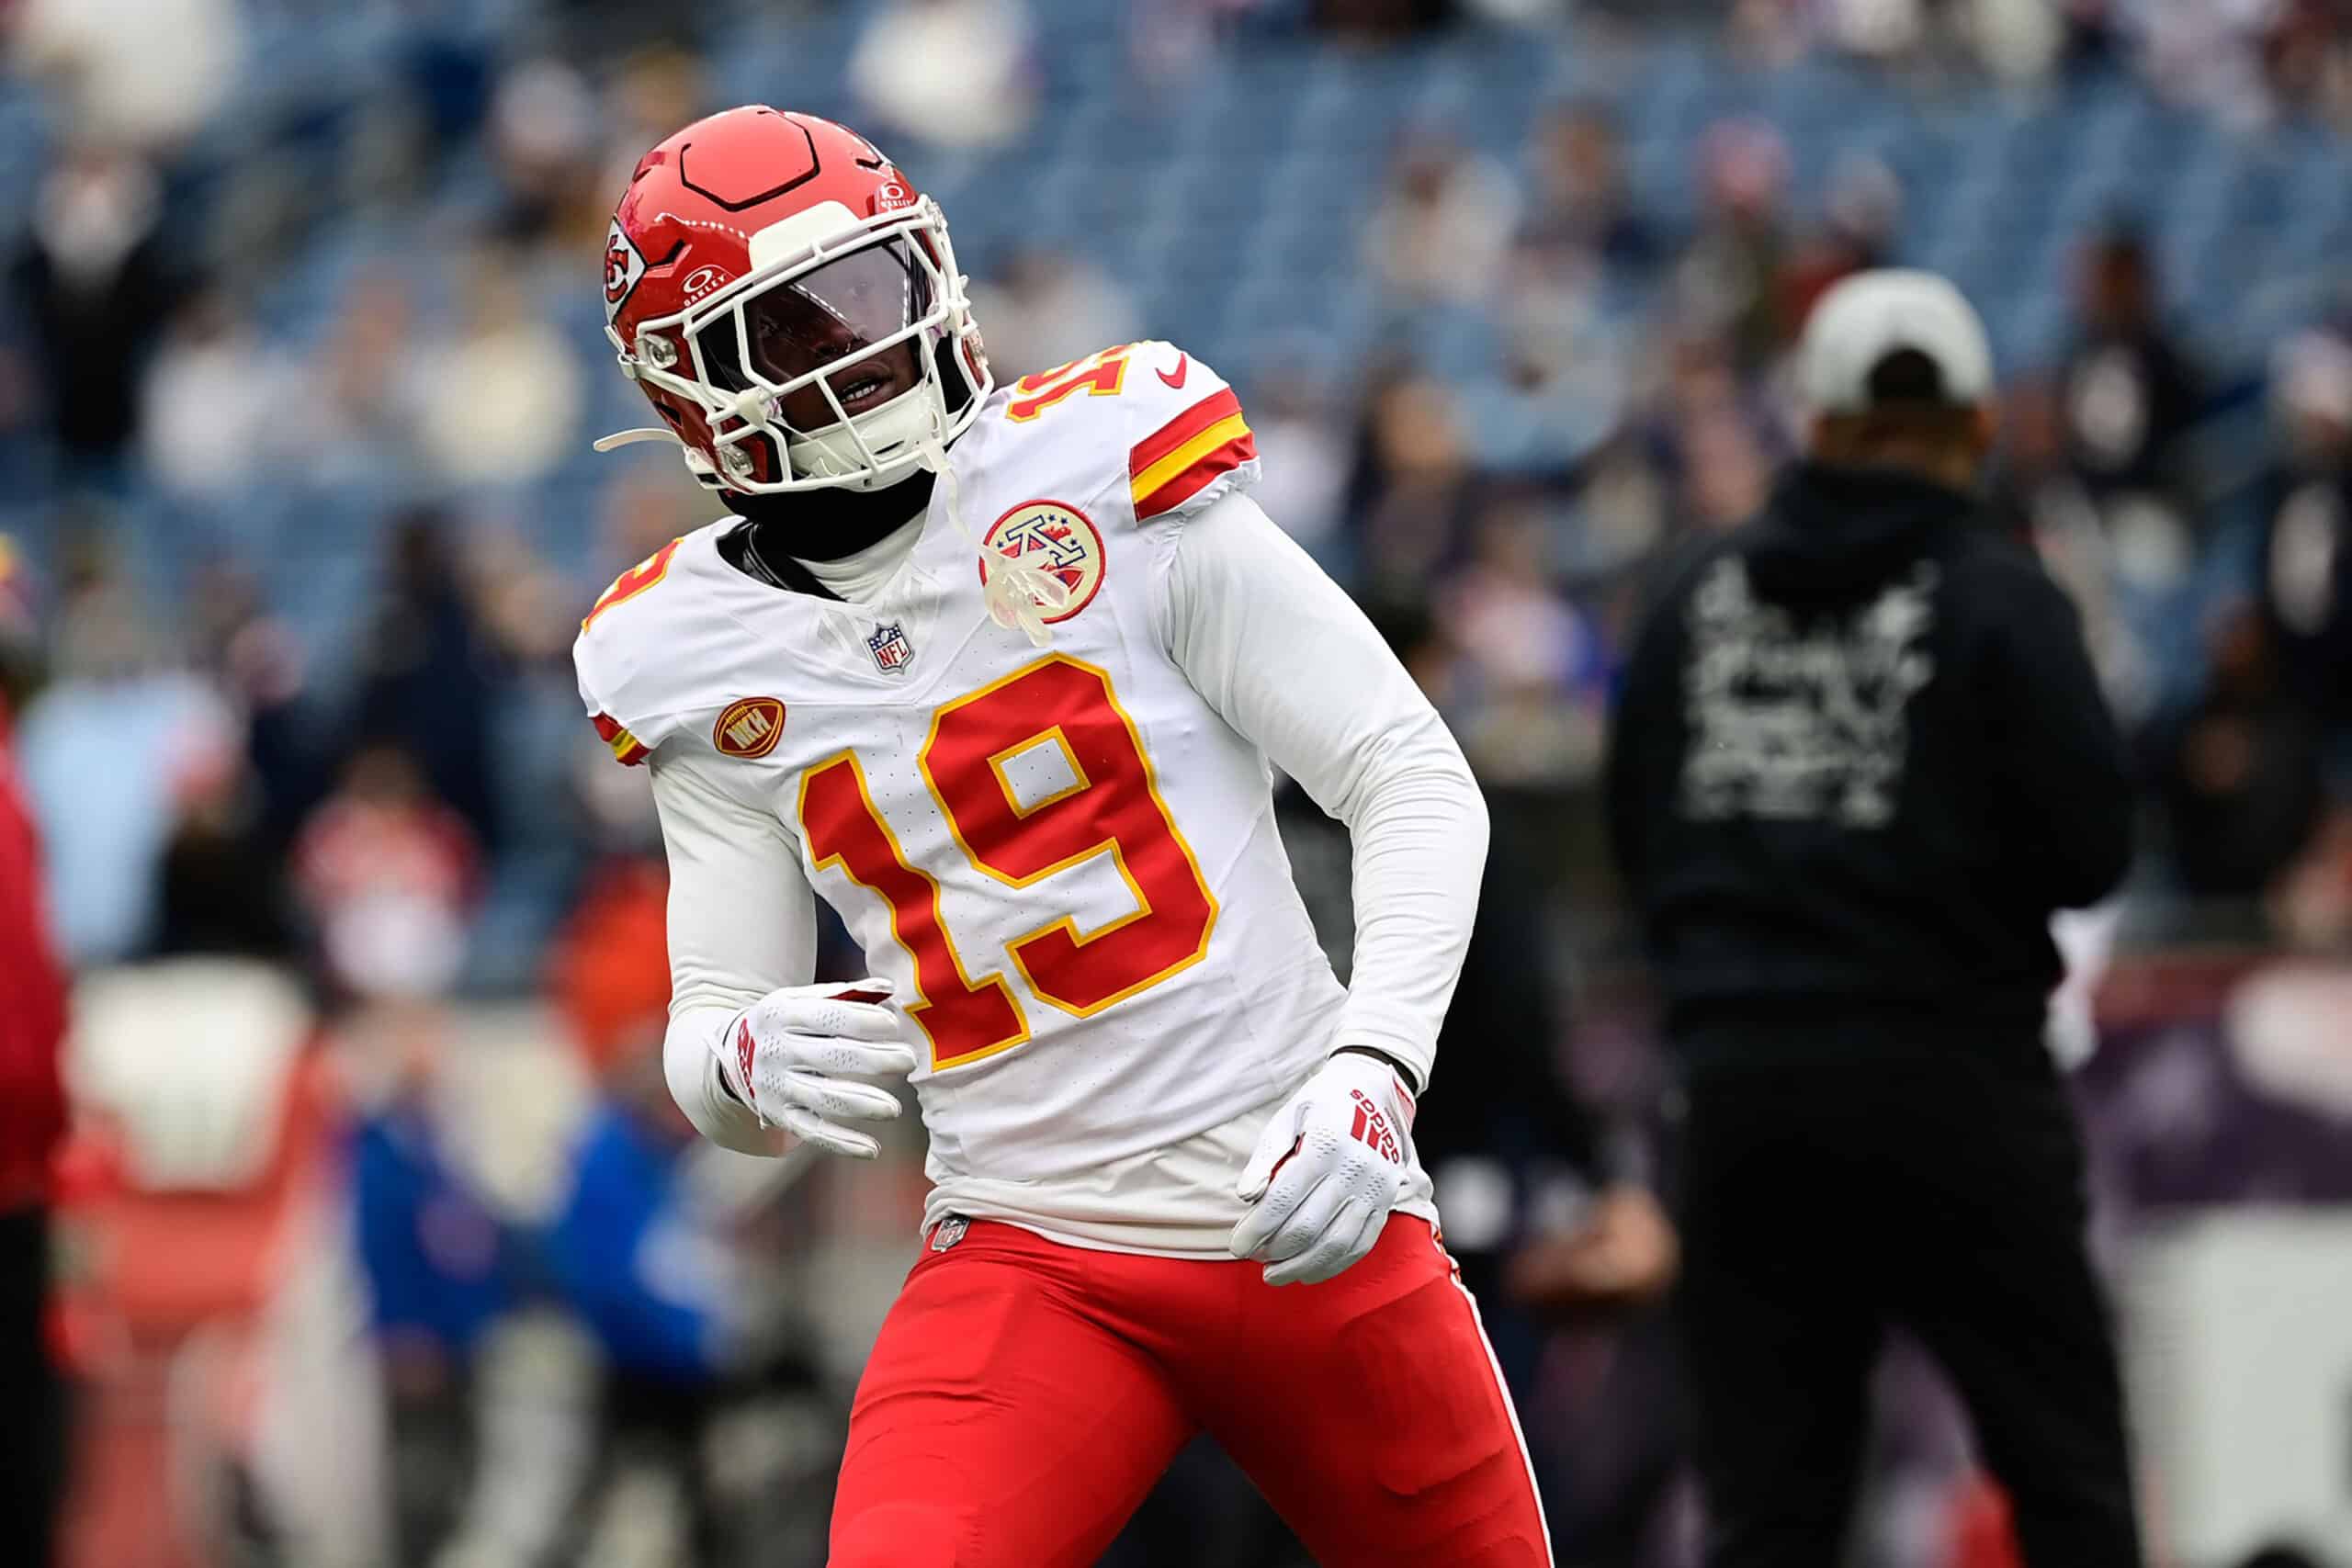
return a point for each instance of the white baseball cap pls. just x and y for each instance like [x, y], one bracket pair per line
[1865, 317]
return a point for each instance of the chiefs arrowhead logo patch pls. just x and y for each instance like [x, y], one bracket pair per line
[750, 728]
[1055, 538]
[623, 267]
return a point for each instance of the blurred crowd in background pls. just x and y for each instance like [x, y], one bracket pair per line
[299, 359]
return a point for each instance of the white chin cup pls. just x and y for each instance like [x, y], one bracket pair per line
[893, 433]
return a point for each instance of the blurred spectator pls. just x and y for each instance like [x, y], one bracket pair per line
[2306, 533]
[255, 659]
[656, 1282]
[951, 72]
[369, 383]
[546, 134]
[1726, 279]
[2239, 773]
[427, 677]
[2131, 393]
[217, 402]
[1579, 205]
[1885, 31]
[2039, 498]
[105, 750]
[2306, 53]
[1859, 220]
[527, 612]
[1170, 40]
[135, 72]
[518, 414]
[2093, 31]
[1728, 472]
[1530, 655]
[1561, 343]
[32, 1118]
[1704, 434]
[2312, 904]
[1765, 35]
[439, 1271]
[1848, 914]
[1581, 235]
[388, 876]
[2021, 41]
[1620, 506]
[1047, 307]
[219, 888]
[2204, 56]
[659, 1245]
[1519, 13]
[96, 285]
[1442, 226]
[1410, 487]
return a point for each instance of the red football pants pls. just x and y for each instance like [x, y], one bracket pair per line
[1025, 1396]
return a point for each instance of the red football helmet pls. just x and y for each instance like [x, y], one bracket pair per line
[791, 307]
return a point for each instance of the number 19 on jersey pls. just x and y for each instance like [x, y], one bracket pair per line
[1114, 807]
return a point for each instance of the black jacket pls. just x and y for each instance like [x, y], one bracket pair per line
[1860, 758]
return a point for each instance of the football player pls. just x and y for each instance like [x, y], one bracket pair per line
[999, 672]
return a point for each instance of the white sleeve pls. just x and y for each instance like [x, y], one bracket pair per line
[1287, 660]
[742, 922]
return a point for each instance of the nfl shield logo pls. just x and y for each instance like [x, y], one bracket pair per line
[892, 652]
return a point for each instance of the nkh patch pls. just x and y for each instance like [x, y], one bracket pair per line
[892, 652]
[749, 727]
[1054, 538]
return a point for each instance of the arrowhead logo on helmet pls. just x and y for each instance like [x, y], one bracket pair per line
[624, 266]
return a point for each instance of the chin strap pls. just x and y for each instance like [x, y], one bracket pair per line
[1017, 594]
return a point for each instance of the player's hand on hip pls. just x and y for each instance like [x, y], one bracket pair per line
[1327, 1172]
[796, 1058]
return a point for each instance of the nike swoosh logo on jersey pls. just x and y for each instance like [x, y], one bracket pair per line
[1175, 378]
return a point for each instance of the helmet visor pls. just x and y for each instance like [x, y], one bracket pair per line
[830, 319]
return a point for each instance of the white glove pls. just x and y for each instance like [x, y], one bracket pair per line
[792, 1058]
[1325, 1171]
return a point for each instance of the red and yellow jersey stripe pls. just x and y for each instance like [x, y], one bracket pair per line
[1171, 466]
[626, 747]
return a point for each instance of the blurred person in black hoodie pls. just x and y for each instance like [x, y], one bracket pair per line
[1860, 758]
[429, 675]
[96, 284]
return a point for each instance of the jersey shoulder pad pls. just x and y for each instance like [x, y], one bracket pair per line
[1189, 442]
[1173, 427]
[622, 682]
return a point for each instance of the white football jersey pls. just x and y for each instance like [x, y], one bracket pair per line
[1063, 858]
